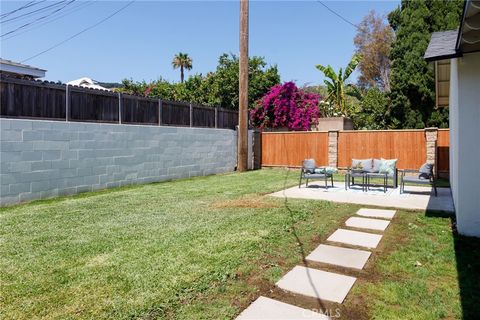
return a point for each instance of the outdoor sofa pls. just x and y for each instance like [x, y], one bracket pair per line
[424, 175]
[369, 168]
[310, 171]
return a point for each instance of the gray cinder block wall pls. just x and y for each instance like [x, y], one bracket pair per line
[43, 159]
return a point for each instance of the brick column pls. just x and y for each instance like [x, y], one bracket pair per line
[431, 136]
[332, 148]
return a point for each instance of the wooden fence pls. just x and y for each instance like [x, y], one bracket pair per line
[47, 100]
[290, 148]
[408, 146]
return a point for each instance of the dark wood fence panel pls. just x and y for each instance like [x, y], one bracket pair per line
[93, 105]
[291, 148]
[139, 111]
[443, 152]
[46, 100]
[175, 113]
[227, 118]
[22, 99]
[408, 146]
[203, 116]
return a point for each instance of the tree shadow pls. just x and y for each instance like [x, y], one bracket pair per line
[321, 307]
[467, 256]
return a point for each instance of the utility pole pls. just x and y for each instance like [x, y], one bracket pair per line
[242, 160]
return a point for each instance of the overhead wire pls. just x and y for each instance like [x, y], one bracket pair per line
[38, 19]
[338, 15]
[34, 12]
[28, 5]
[56, 17]
[80, 32]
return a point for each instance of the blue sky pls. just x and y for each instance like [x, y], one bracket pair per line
[141, 41]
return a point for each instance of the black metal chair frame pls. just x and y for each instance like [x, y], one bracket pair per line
[317, 176]
[430, 180]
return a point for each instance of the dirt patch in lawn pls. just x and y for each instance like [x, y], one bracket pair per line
[246, 202]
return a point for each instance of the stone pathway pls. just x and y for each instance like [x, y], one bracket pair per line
[320, 284]
[343, 257]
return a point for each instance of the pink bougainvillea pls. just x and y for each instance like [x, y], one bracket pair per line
[286, 106]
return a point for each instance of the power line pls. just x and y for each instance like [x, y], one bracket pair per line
[80, 32]
[34, 11]
[38, 19]
[338, 15]
[80, 6]
[28, 5]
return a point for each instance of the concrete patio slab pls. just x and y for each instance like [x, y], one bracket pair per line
[367, 223]
[376, 213]
[356, 238]
[344, 257]
[317, 284]
[268, 309]
[415, 198]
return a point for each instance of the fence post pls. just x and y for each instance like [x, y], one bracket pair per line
[431, 137]
[120, 108]
[159, 112]
[67, 103]
[332, 148]
[257, 149]
[216, 117]
[191, 115]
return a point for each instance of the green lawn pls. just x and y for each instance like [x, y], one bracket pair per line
[203, 248]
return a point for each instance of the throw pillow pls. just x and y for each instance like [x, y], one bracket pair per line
[309, 165]
[319, 170]
[362, 164]
[388, 166]
[376, 165]
[330, 170]
[425, 171]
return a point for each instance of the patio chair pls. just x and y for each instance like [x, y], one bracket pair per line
[424, 176]
[310, 171]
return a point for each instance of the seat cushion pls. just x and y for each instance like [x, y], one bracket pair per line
[416, 180]
[362, 164]
[316, 175]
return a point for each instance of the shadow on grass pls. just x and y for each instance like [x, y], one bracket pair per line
[467, 255]
[321, 306]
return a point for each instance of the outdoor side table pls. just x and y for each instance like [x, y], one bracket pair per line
[350, 178]
[383, 176]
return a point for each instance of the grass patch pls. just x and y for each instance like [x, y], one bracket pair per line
[187, 249]
[204, 248]
[427, 271]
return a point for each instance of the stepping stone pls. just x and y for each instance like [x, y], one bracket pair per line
[265, 308]
[376, 213]
[317, 284]
[350, 258]
[366, 223]
[356, 238]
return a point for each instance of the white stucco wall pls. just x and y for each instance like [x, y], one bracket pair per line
[465, 142]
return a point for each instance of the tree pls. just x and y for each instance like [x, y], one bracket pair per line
[217, 88]
[412, 79]
[286, 106]
[373, 41]
[182, 61]
[224, 81]
[336, 85]
[373, 108]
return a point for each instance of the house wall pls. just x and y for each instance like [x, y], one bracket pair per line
[42, 159]
[465, 146]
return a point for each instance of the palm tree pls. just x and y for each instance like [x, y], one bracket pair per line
[182, 61]
[336, 86]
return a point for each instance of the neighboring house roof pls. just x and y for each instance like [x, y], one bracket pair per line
[17, 68]
[454, 43]
[87, 83]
